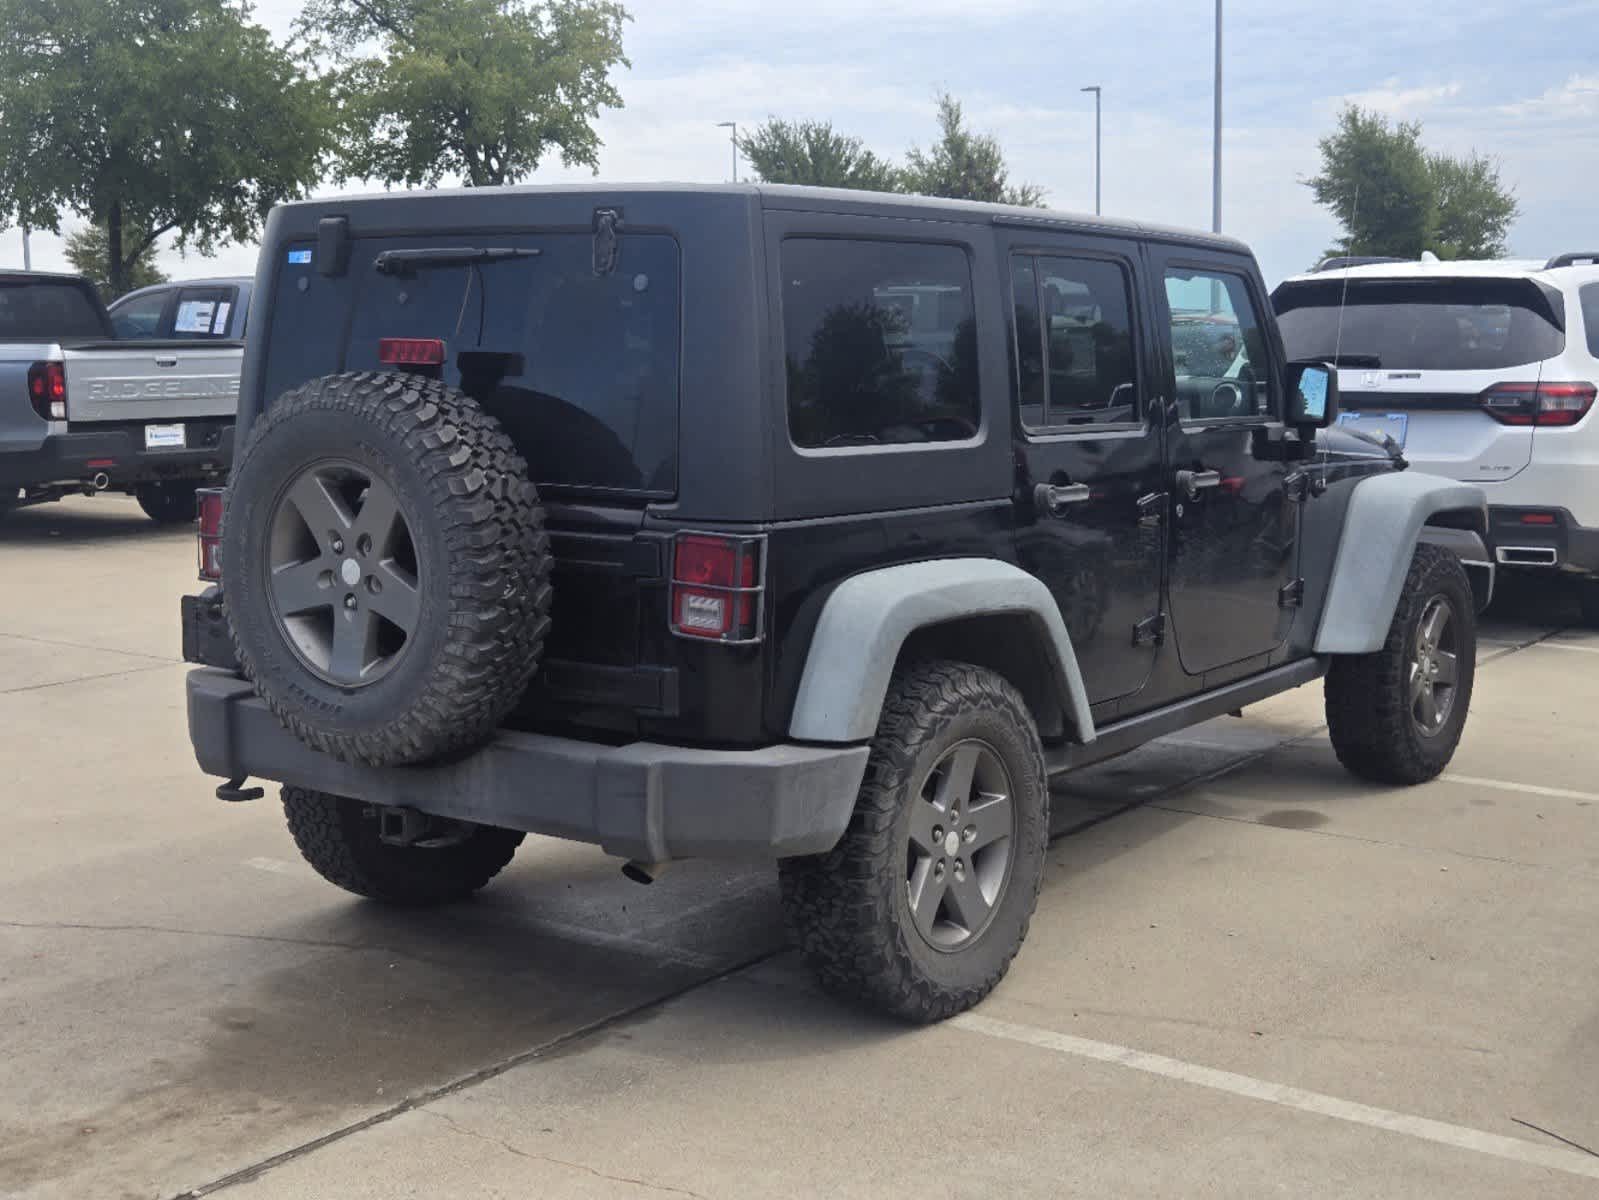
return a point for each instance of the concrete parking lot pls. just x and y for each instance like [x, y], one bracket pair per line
[1250, 975]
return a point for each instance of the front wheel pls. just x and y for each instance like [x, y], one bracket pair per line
[1588, 597]
[1396, 715]
[168, 501]
[342, 838]
[919, 910]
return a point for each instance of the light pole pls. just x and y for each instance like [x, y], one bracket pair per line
[1096, 90]
[27, 251]
[1215, 165]
[732, 125]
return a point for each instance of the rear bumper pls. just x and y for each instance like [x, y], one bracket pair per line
[642, 800]
[1563, 545]
[119, 452]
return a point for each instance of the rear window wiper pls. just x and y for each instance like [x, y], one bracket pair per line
[1355, 360]
[408, 262]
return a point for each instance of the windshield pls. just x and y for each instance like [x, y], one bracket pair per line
[47, 310]
[1419, 325]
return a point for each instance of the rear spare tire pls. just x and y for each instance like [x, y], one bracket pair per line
[168, 501]
[385, 567]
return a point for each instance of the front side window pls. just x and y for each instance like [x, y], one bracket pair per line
[1074, 342]
[139, 317]
[1218, 347]
[880, 343]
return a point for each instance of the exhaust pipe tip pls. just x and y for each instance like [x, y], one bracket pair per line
[645, 873]
[101, 481]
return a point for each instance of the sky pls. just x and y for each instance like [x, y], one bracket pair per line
[1515, 81]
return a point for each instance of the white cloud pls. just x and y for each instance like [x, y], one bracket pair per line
[1577, 97]
[1394, 100]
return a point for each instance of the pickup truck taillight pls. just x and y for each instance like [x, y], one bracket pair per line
[1540, 404]
[47, 390]
[208, 502]
[716, 589]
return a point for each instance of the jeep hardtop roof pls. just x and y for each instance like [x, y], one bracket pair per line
[794, 198]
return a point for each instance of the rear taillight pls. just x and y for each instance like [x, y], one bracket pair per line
[716, 589]
[47, 390]
[208, 503]
[410, 352]
[1540, 404]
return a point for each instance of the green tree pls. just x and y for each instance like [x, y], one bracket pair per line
[150, 117]
[89, 252]
[965, 165]
[1473, 210]
[1393, 197]
[813, 152]
[478, 89]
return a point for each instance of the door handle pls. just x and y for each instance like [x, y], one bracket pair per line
[1053, 499]
[1191, 483]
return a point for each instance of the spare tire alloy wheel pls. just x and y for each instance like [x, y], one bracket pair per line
[385, 567]
[343, 573]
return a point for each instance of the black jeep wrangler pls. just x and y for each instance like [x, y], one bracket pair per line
[817, 526]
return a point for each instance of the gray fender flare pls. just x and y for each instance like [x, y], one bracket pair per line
[1382, 525]
[866, 620]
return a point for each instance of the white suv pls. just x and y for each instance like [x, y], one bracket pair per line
[1482, 371]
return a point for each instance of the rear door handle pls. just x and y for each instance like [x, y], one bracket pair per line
[1191, 483]
[1053, 499]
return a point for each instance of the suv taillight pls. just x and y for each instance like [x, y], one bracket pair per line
[1540, 404]
[208, 501]
[47, 390]
[716, 589]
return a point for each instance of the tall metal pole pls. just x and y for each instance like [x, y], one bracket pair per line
[733, 137]
[1215, 198]
[27, 251]
[1096, 90]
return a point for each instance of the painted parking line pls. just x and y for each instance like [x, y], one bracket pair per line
[1422, 1128]
[1572, 646]
[1530, 789]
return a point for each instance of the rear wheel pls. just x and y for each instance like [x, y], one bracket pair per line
[1588, 597]
[342, 839]
[1396, 715]
[168, 501]
[919, 910]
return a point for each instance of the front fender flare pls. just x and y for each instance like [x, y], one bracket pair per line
[866, 620]
[1382, 525]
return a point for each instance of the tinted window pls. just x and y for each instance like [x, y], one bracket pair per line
[1074, 334]
[35, 310]
[139, 317]
[1218, 348]
[880, 343]
[592, 395]
[203, 313]
[1590, 316]
[1420, 325]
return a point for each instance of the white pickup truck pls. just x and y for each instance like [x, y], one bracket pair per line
[139, 399]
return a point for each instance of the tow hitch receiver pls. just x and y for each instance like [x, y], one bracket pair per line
[234, 791]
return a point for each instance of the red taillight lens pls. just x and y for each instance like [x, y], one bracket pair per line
[208, 502]
[715, 592]
[47, 390]
[1537, 518]
[410, 352]
[1540, 404]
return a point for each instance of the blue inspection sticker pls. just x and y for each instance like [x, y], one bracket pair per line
[301, 258]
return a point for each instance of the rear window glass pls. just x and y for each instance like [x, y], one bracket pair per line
[880, 345]
[41, 310]
[1590, 316]
[1431, 325]
[591, 394]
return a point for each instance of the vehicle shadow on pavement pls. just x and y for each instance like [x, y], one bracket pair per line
[83, 521]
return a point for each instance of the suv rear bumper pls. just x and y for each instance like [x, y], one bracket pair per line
[1563, 545]
[641, 800]
[79, 455]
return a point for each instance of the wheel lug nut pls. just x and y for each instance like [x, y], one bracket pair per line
[938, 833]
[969, 833]
[338, 545]
[349, 601]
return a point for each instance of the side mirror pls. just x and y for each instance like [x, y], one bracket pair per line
[1312, 395]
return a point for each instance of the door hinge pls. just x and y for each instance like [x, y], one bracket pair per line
[1291, 595]
[1150, 631]
[1302, 484]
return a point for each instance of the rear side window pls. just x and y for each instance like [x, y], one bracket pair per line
[1590, 316]
[588, 386]
[44, 310]
[880, 344]
[1074, 342]
[1419, 325]
[203, 312]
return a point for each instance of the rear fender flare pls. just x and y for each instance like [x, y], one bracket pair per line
[866, 620]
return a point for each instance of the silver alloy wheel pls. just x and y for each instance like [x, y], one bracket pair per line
[342, 573]
[960, 846]
[1435, 666]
